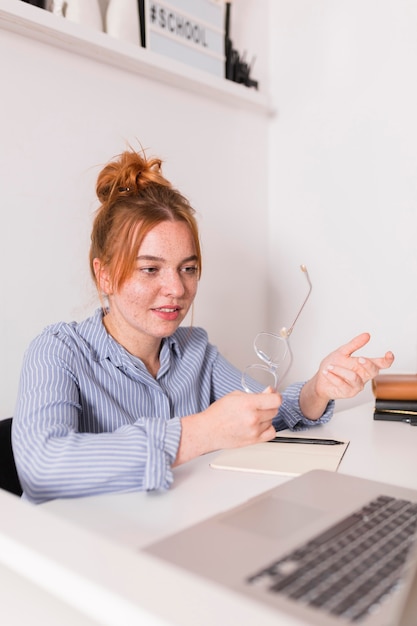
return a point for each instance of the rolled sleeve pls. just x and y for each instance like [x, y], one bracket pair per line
[162, 452]
[290, 414]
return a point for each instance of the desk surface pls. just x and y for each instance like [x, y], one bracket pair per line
[382, 451]
[94, 543]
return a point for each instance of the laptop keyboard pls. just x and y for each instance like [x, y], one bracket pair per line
[348, 569]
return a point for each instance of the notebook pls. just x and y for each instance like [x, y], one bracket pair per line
[281, 458]
[327, 548]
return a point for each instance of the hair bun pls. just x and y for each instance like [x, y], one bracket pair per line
[128, 175]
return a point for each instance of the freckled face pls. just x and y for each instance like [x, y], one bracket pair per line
[153, 302]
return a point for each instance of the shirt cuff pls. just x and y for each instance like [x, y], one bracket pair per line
[162, 452]
[290, 414]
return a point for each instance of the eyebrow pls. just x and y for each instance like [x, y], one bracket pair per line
[150, 257]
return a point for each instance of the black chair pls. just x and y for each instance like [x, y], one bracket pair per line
[9, 479]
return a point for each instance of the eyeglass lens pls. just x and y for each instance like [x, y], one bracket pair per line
[274, 350]
[258, 377]
[275, 354]
[270, 348]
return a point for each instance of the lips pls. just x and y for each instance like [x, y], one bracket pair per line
[167, 313]
[167, 309]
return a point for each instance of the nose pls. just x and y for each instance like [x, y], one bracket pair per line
[173, 285]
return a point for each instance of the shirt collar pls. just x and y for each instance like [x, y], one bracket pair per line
[105, 347]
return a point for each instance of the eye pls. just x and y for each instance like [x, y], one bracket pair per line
[148, 270]
[190, 269]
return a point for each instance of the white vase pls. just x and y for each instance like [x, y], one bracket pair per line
[56, 7]
[122, 20]
[82, 11]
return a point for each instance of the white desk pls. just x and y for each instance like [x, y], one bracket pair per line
[384, 451]
[93, 543]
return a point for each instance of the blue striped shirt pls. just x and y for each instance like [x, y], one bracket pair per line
[91, 419]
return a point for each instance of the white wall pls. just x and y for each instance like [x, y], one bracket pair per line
[62, 117]
[343, 163]
[342, 192]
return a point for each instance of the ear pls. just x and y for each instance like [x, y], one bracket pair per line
[102, 277]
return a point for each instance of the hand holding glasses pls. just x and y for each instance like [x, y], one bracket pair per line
[275, 352]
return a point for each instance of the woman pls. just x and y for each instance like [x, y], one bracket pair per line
[117, 401]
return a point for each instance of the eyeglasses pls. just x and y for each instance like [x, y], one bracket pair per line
[275, 352]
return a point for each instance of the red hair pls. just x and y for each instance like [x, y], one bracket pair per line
[134, 197]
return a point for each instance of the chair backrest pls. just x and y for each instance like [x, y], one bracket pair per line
[9, 479]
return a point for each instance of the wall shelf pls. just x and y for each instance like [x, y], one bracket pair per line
[40, 25]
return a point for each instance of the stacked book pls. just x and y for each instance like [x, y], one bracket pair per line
[395, 397]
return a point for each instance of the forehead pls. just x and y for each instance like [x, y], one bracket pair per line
[168, 239]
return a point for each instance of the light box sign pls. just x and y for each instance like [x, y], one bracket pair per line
[189, 31]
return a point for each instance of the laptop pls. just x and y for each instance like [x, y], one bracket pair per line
[325, 547]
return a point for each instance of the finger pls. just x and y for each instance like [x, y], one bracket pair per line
[268, 399]
[386, 361]
[348, 375]
[355, 344]
[269, 433]
[360, 370]
[342, 383]
[375, 364]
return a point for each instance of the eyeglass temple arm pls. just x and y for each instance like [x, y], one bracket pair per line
[286, 332]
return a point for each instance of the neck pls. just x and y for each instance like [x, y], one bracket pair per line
[147, 352]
